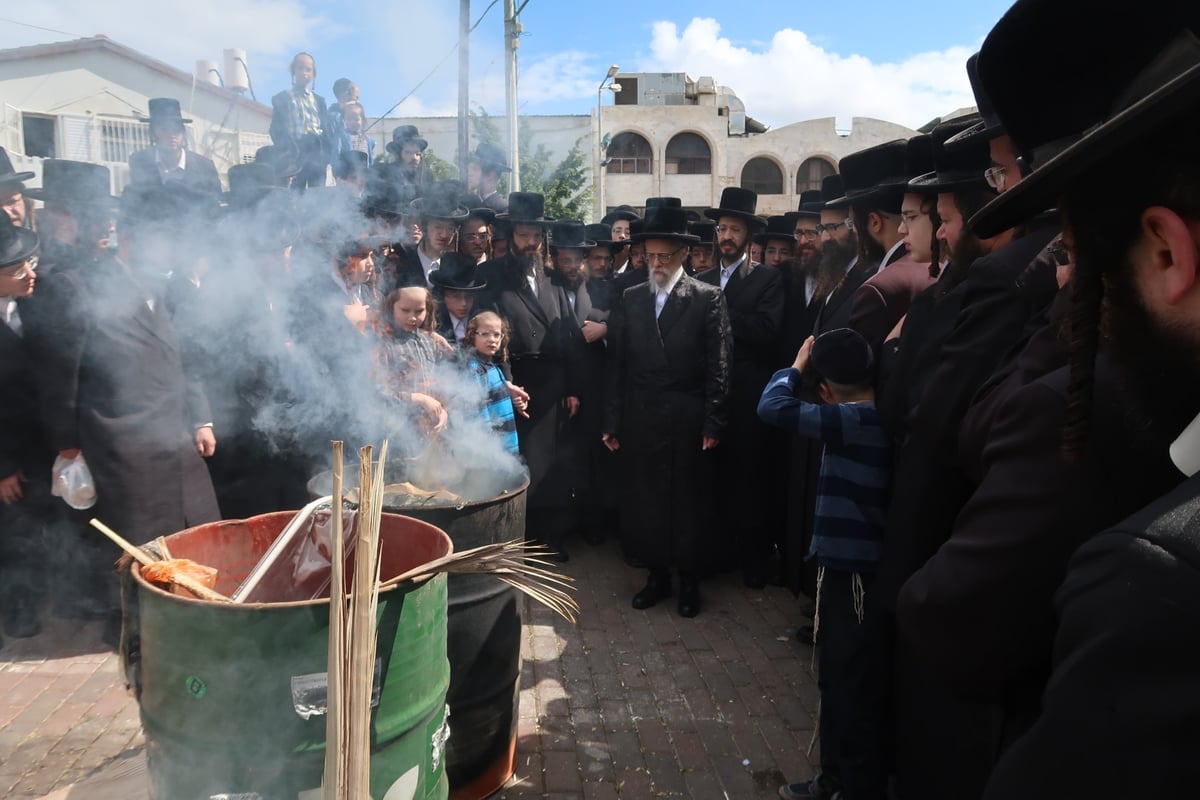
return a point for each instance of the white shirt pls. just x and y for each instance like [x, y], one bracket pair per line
[621, 268]
[727, 272]
[810, 288]
[460, 327]
[11, 317]
[170, 172]
[571, 294]
[887, 256]
[1185, 450]
[531, 279]
[662, 293]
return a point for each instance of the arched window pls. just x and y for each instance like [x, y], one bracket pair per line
[762, 175]
[812, 172]
[688, 154]
[630, 154]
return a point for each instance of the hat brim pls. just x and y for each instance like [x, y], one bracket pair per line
[488, 215]
[979, 131]
[396, 147]
[627, 216]
[22, 247]
[685, 238]
[837, 204]
[586, 244]
[15, 177]
[945, 181]
[716, 213]
[543, 222]
[1040, 190]
[440, 284]
[763, 238]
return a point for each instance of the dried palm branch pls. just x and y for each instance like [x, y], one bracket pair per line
[335, 713]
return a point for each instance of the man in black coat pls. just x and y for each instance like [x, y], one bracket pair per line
[667, 389]
[546, 351]
[169, 159]
[754, 298]
[842, 269]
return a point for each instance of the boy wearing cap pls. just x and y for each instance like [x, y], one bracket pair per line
[851, 630]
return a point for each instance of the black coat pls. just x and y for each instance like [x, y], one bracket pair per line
[1120, 716]
[835, 311]
[122, 398]
[667, 386]
[23, 441]
[198, 172]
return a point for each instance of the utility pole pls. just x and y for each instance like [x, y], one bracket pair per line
[512, 33]
[464, 87]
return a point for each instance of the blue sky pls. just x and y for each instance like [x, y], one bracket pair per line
[787, 61]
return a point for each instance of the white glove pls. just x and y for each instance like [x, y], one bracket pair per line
[71, 480]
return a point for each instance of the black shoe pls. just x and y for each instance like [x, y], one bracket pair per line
[21, 619]
[806, 635]
[658, 587]
[689, 597]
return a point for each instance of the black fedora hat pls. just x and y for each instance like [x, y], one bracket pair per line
[636, 226]
[441, 201]
[918, 161]
[959, 168]
[862, 172]
[780, 228]
[74, 184]
[165, 111]
[810, 203]
[249, 184]
[622, 212]
[402, 135]
[740, 203]
[16, 243]
[456, 271]
[526, 208]
[989, 125]
[9, 175]
[477, 210]
[663, 202]
[601, 234]
[664, 222]
[704, 230]
[281, 158]
[491, 157]
[1155, 81]
[833, 193]
[570, 234]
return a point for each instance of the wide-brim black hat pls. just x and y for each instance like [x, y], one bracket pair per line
[16, 243]
[75, 184]
[283, 159]
[739, 203]
[665, 222]
[432, 206]
[989, 125]
[780, 228]
[663, 202]
[474, 204]
[960, 168]
[525, 208]
[1168, 87]
[458, 272]
[810, 203]
[704, 230]
[864, 171]
[493, 157]
[249, 184]
[601, 234]
[402, 136]
[622, 212]
[570, 235]
[7, 174]
[165, 110]
[918, 161]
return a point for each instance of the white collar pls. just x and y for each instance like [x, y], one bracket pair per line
[182, 160]
[888, 255]
[1185, 450]
[853, 263]
[732, 268]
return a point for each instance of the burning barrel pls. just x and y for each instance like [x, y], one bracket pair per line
[483, 623]
[232, 697]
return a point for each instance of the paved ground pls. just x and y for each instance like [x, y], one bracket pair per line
[624, 704]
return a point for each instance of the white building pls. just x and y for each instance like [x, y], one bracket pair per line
[86, 100]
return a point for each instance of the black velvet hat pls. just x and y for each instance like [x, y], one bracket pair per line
[740, 203]
[810, 203]
[441, 201]
[1146, 84]
[75, 184]
[918, 161]
[456, 271]
[781, 228]
[474, 203]
[663, 202]
[959, 168]
[989, 125]
[165, 111]
[526, 208]
[601, 234]
[833, 193]
[843, 356]
[7, 174]
[404, 134]
[862, 172]
[491, 157]
[249, 184]
[706, 230]
[282, 158]
[636, 226]
[622, 212]
[16, 243]
[664, 222]
[570, 234]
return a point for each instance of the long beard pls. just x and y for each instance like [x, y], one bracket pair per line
[835, 259]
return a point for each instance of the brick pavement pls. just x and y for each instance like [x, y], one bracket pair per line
[625, 704]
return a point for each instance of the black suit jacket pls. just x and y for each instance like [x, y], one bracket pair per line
[198, 172]
[755, 300]
[1119, 715]
[23, 441]
[835, 311]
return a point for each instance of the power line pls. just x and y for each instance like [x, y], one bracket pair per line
[436, 67]
[40, 28]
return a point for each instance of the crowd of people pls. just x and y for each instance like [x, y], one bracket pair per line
[953, 402]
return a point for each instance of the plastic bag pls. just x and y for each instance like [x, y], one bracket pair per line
[71, 480]
[297, 565]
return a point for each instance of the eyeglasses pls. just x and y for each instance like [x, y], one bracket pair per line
[663, 258]
[730, 229]
[21, 270]
[996, 177]
[832, 228]
[807, 233]
[909, 217]
[477, 237]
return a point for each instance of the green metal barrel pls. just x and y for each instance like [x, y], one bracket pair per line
[232, 697]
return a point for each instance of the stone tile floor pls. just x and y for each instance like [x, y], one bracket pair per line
[623, 704]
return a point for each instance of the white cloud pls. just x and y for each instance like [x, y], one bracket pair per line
[791, 79]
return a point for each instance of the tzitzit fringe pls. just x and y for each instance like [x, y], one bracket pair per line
[860, 595]
[817, 616]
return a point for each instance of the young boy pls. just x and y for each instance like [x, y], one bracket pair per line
[852, 634]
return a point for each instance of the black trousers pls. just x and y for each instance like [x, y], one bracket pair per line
[854, 676]
[24, 567]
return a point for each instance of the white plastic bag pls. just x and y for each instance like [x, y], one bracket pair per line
[72, 481]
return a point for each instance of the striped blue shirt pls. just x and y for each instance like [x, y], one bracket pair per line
[496, 406]
[855, 477]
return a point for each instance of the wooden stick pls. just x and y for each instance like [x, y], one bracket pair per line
[142, 557]
[335, 710]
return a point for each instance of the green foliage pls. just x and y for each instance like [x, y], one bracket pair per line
[442, 169]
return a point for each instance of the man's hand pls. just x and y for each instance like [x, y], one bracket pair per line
[709, 442]
[801, 362]
[610, 442]
[520, 399]
[572, 406]
[70, 455]
[10, 487]
[206, 441]
[593, 331]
